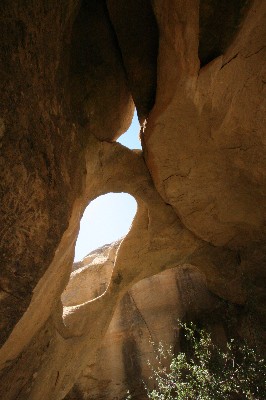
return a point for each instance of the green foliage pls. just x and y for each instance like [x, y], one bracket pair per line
[208, 373]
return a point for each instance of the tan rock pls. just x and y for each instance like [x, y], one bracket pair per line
[200, 186]
[92, 277]
[146, 315]
[205, 138]
[150, 247]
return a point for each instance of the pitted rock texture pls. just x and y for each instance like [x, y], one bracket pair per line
[69, 74]
[42, 145]
[34, 174]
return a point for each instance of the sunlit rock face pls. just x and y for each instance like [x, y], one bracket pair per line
[91, 276]
[69, 74]
[210, 165]
[147, 314]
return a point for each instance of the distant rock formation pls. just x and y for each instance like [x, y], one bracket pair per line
[91, 276]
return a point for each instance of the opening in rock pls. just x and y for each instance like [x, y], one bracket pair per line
[105, 220]
[131, 138]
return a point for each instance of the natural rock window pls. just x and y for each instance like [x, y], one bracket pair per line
[131, 138]
[105, 220]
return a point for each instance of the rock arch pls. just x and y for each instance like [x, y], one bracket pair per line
[156, 241]
[56, 157]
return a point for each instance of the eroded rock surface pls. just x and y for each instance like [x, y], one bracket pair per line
[91, 276]
[211, 163]
[146, 315]
[69, 72]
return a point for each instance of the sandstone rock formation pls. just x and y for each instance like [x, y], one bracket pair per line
[69, 74]
[146, 315]
[91, 276]
[208, 171]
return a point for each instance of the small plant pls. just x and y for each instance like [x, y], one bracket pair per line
[206, 372]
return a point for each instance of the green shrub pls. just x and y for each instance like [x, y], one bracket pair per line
[206, 372]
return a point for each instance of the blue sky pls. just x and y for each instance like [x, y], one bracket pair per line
[108, 217]
[131, 137]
